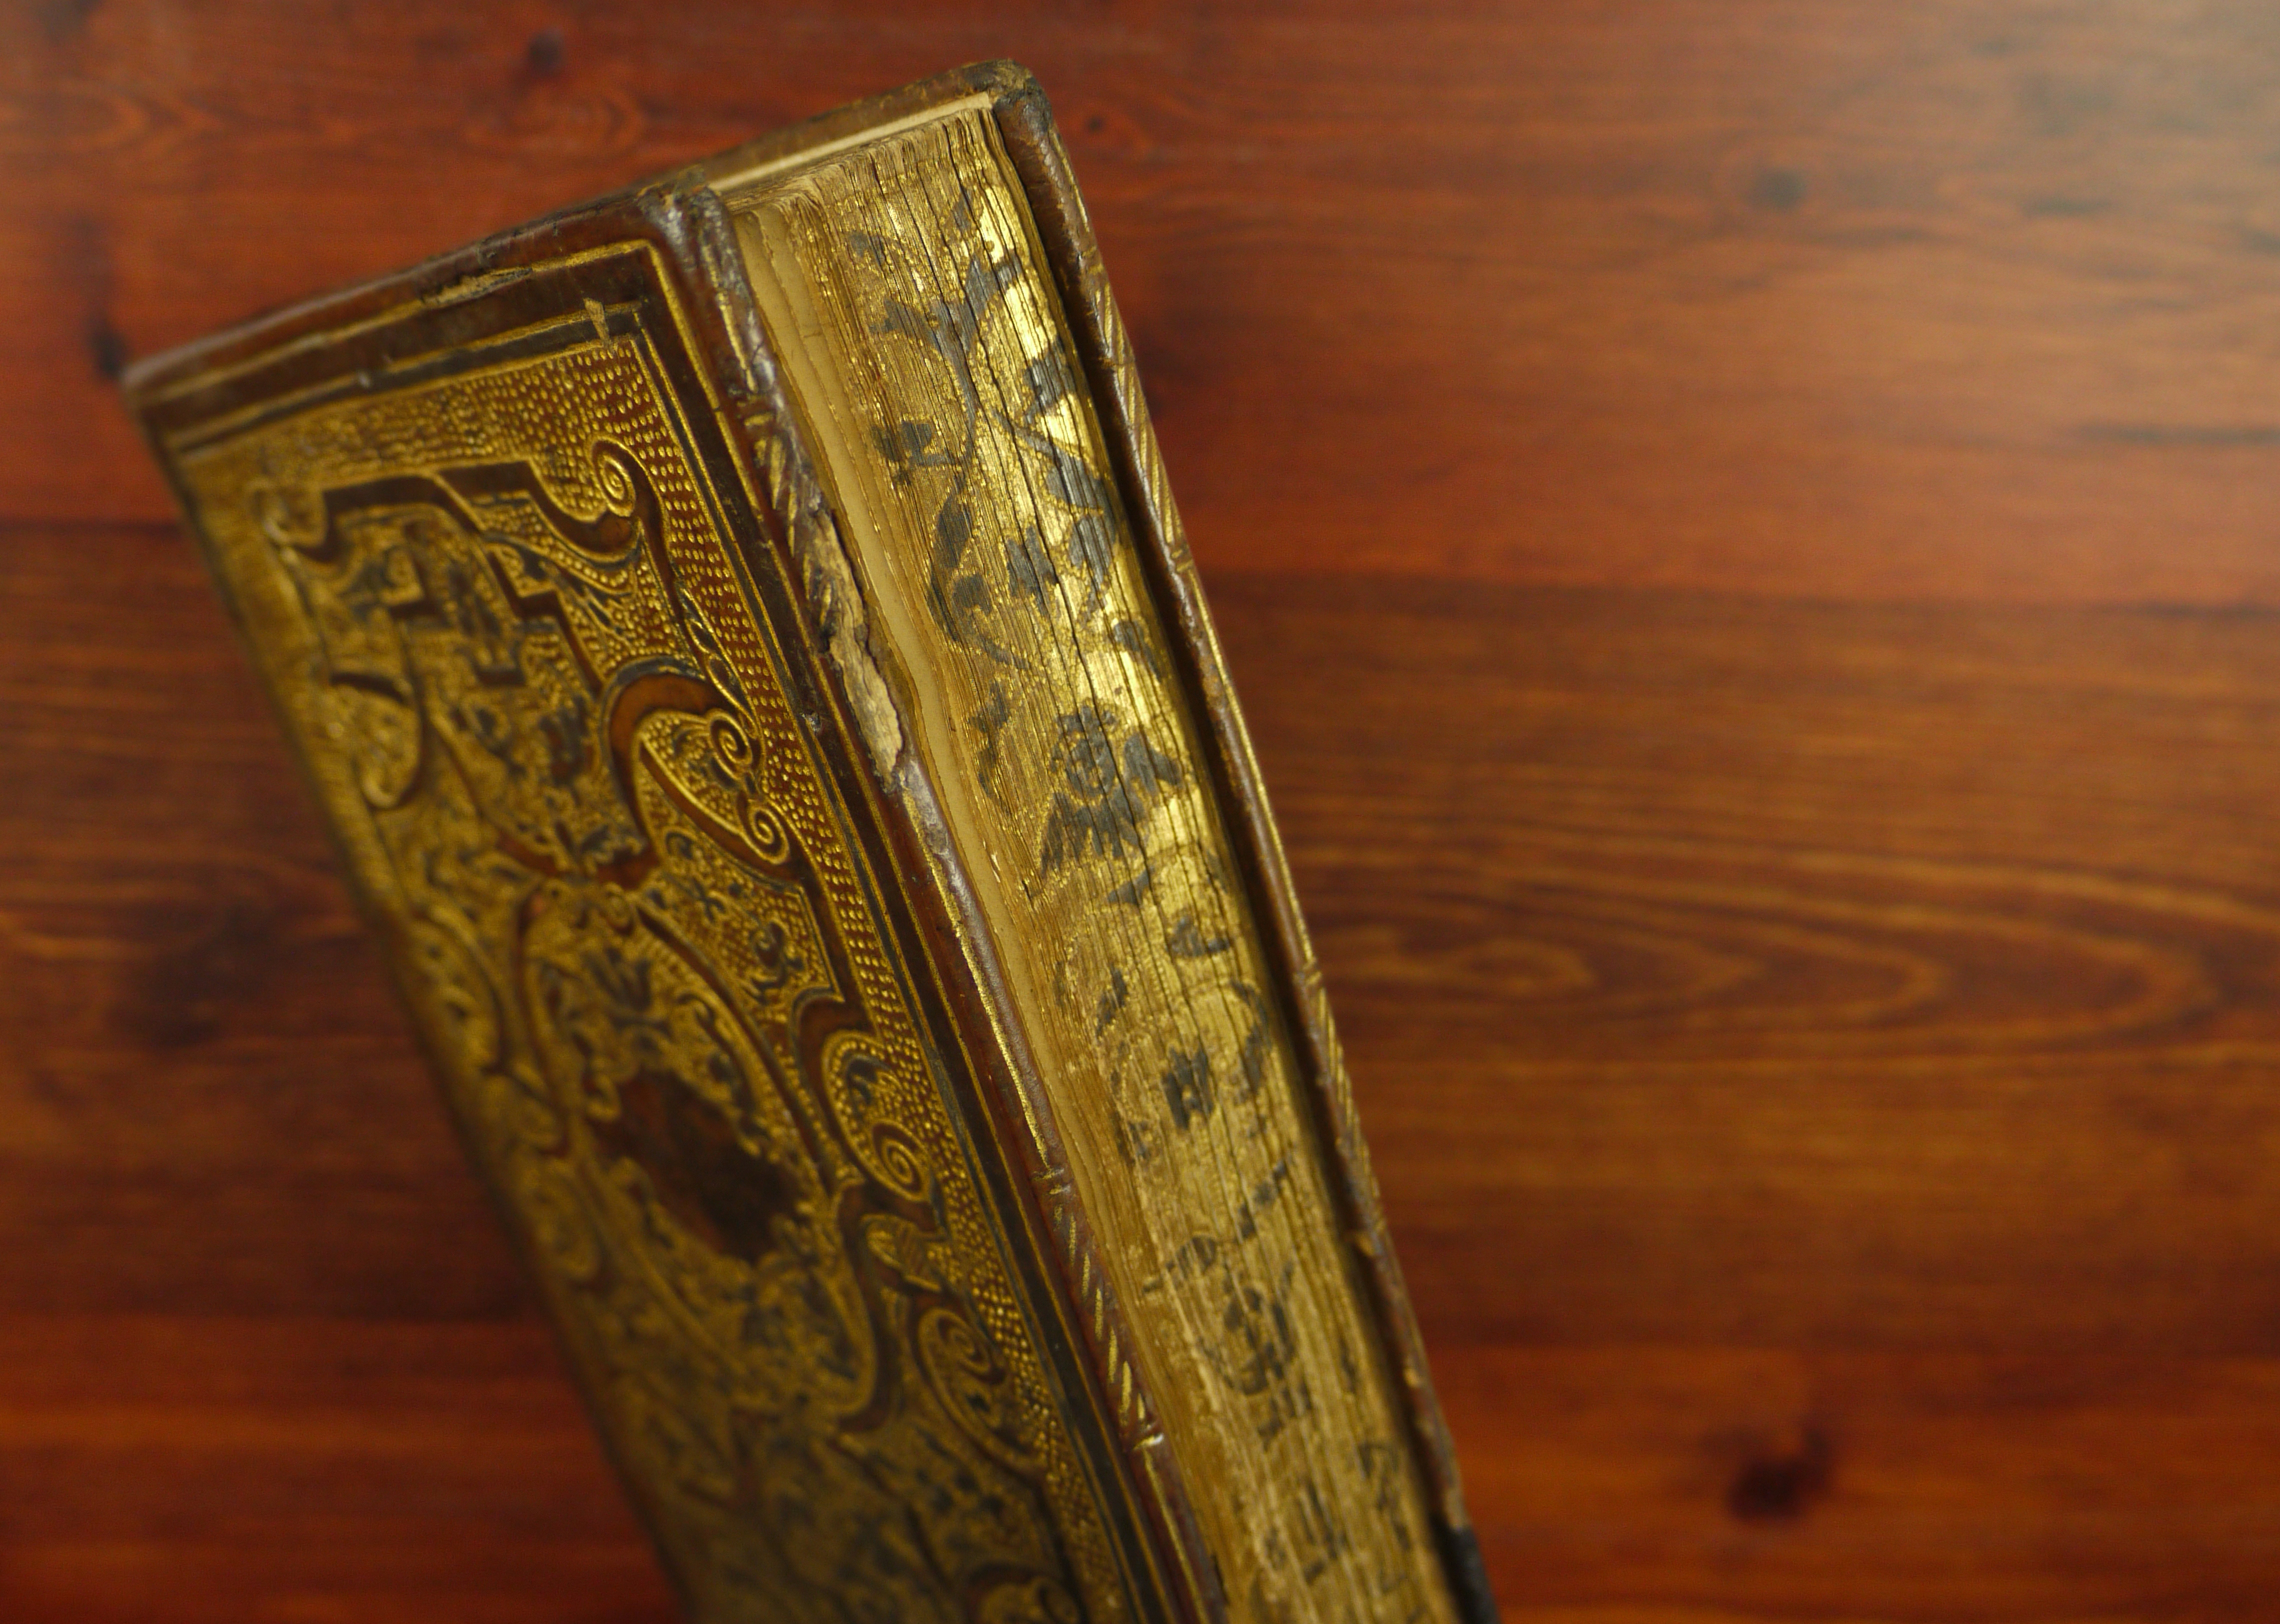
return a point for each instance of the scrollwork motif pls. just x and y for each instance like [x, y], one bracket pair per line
[627, 919]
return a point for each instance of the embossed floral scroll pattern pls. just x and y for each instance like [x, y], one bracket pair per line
[637, 936]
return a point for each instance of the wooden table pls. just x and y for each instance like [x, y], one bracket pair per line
[1747, 531]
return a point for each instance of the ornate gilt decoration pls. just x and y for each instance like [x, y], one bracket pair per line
[549, 715]
[843, 918]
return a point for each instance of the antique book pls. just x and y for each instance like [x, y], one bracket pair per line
[740, 635]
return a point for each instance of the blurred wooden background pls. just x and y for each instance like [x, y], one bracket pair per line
[1746, 530]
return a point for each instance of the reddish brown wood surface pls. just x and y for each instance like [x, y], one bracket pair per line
[1745, 529]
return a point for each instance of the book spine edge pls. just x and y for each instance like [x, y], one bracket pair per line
[1026, 125]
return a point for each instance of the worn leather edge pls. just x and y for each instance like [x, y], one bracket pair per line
[1025, 124]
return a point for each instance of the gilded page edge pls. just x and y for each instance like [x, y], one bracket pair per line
[793, 484]
[1033, 145]
[1028, 145]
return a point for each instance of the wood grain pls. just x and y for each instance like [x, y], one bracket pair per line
[1744, 533]
[1819, 1057]
[1673, 292]
[1819, 974]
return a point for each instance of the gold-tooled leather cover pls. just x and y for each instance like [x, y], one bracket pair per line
[497, 592]
[531, 547]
